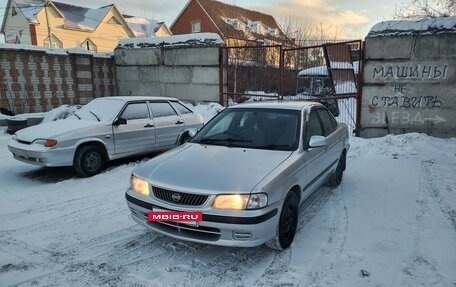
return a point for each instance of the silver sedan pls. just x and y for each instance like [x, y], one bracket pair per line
[242, 177]
[106, 129]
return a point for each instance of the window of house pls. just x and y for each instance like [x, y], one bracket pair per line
[13, 12]
[89, 45]
[55, 43]
[196, 26]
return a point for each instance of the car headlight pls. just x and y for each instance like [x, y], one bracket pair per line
[46, 142]
[240, 201]
[138, 185]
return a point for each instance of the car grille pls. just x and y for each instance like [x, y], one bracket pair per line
[179, 198]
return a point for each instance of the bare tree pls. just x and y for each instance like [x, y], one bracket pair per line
[421, 9]
[296, 28]
[305, 33]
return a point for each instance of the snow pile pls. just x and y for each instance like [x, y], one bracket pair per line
[432, 26]
[208, 111]
[185, 40]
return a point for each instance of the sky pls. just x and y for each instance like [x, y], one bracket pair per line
[350, 19]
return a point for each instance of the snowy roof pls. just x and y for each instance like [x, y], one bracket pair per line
[82, 18]
[30, 8]
[236, 22]
[432, 26]
[142, 27]
[185, 40]
[76, 17]
[323, 70]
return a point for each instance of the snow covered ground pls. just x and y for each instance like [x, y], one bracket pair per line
[392, 222]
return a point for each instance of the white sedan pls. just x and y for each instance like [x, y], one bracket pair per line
[242, 177]
[106, 129]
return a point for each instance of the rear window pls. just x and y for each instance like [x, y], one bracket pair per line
[181, 108]
[162, 110]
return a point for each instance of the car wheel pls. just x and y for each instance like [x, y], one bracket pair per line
[288, 223]
[336, 178]
[89, 160]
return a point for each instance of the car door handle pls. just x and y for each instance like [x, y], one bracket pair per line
[148, 126]
[179, 122]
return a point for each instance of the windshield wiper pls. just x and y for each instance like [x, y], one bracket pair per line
[227, 140]
[77, 116]
[276, 146]
[95, 115]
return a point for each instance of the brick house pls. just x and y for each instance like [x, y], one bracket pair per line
[235, 25]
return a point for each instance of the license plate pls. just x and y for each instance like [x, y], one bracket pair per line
[191, 218]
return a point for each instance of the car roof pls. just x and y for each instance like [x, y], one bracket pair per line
[287, 105]
[139, 98]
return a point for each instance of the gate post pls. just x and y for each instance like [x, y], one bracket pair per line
[282, 73]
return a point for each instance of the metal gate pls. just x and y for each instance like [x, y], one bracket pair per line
[329, 73]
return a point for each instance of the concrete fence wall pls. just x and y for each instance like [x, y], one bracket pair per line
[189, 74]
[36, 80]
[409, 85]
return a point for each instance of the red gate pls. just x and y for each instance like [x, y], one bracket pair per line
[329, 73]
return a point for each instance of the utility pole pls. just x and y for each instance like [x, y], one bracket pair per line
[47, 22]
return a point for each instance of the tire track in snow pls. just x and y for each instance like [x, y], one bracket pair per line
[280, 265]
[229, 269]
[417, 269]
[332, 249]
[431, 173]
[108, 255]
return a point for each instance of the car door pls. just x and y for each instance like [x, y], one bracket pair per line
[333, 140]
[316, 159]
[168, 124]
[138, 134]
[190, 120]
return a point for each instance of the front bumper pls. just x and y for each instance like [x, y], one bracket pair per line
[40, 155]
[247, 228]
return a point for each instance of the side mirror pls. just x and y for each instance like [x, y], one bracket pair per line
[317, 141]
[192, 132]
[120, 121]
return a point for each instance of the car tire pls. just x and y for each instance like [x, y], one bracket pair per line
[89, 160]
[336, 177]
[288, 223]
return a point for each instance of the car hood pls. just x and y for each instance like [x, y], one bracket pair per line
[54, 129]
[210, 169]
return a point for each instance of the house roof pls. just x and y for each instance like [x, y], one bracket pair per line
[143, 27]
[82, 18]
[237, 22]
[75, 17]
[30, 8]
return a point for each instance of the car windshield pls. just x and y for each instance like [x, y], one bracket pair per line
[272, 129]
[101, 109]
